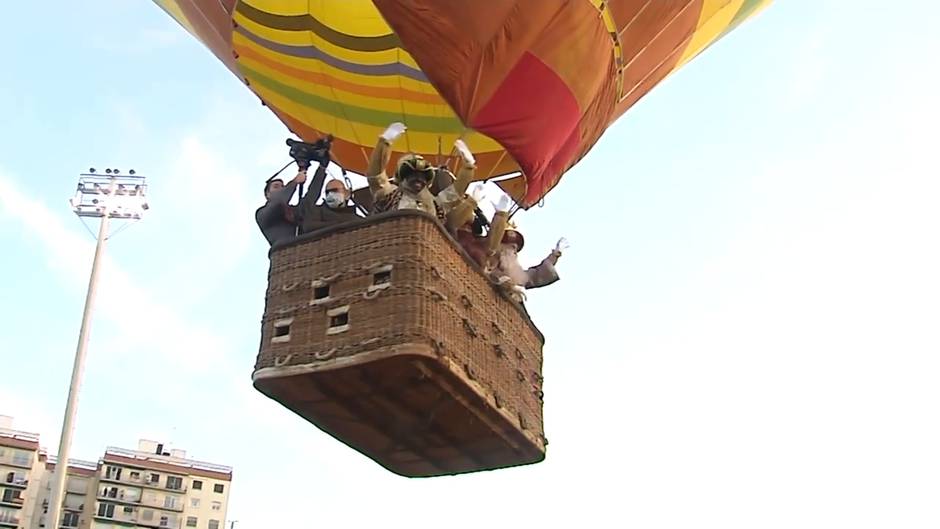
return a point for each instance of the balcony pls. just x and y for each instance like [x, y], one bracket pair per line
[15, 482]
[122, 497]
[171, 523]
[9, 519]
[73, 508]
[119, 517]
[161, 503]
[16, 503]
[181, 490]
[139, 482]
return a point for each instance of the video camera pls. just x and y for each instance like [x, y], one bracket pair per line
[304, 153]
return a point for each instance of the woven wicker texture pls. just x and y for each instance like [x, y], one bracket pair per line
[397, 286]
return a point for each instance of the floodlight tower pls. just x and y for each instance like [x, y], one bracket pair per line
[108, 196]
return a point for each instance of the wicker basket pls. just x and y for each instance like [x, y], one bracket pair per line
[385, 335]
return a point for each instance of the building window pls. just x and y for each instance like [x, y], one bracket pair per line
[77, 485]
[192, 521]
[21, 458]
[194, 502]
[174, 483]
[169, 502]
[147, 515]
[106, 510]
[218, 487]
[70, 519]
[164, 521]
[213, 524]
[113, 473]
[154, 478]
[128, 510]
[216, 506]
[197, 485]
[17, 478]
[135, 476]
[12, 496]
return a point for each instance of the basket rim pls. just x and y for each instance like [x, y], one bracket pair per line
[344, 227]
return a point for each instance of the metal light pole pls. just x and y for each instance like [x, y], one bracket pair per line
[105, 197]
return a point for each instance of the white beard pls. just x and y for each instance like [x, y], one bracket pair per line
[509, 265]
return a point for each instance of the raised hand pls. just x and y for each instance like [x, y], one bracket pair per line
[478, 193]
[394, 131]
[464, 152]
[504, 203]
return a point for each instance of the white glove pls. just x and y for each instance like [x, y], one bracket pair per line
[503, 204]
[394, 131]
[519, 291]
[464, 152]
[562, 245]
[478, 193]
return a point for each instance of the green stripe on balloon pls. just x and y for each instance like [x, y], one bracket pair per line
[352, 113]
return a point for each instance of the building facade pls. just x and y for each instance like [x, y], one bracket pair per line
[20, 475]
[79, 494]
[150, 487]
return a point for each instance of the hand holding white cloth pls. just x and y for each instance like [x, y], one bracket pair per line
[394, 131]
[465, 152]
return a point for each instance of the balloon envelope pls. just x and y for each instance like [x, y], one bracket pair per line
[530, 85]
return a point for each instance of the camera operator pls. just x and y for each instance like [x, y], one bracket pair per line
[279, 221]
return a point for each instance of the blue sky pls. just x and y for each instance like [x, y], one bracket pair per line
[745, 334]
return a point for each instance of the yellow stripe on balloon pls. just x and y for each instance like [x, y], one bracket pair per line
[715, 17]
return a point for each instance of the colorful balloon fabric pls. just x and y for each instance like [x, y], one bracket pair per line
[530, 85]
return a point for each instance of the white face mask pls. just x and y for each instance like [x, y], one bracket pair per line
[334, 199]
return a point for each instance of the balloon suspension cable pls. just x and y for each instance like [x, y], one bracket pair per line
[281, 170]
[451, 157]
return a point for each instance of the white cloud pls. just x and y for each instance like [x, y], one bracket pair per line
[121, 298]
[29, 415]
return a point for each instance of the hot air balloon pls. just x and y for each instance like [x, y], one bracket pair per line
[384, 333]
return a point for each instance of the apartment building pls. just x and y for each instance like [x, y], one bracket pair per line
[152, 487]
[79, 493]
[20, 471]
